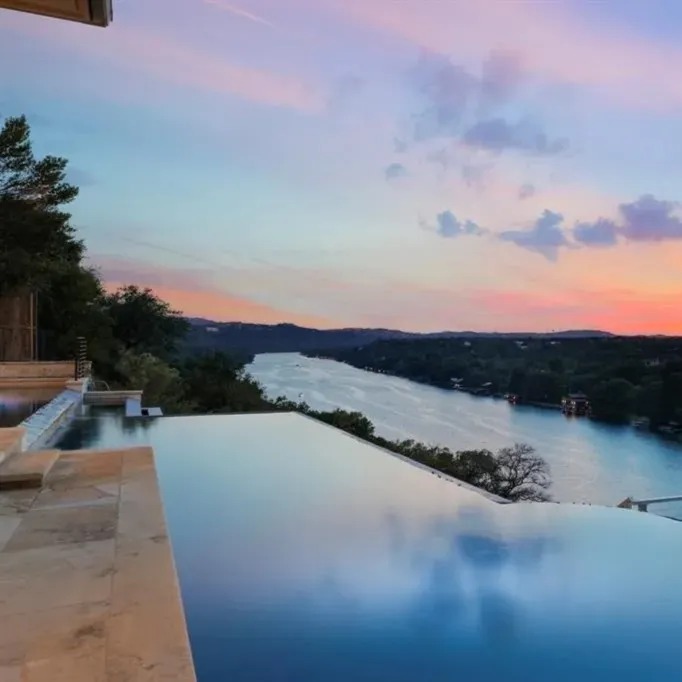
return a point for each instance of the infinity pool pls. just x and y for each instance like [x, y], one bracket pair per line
[18, 404]
[304, 554]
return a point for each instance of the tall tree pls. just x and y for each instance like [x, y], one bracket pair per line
[144, 323]
[36, 238]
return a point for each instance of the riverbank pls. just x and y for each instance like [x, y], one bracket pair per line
[668, 432]
[590, 461]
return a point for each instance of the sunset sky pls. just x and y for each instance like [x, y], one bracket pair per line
[492, 165]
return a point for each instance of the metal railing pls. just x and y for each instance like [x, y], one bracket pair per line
[81, 368]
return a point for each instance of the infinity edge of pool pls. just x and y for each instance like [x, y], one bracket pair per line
[304, 553]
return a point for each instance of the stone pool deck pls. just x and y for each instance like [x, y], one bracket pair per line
[88, 589]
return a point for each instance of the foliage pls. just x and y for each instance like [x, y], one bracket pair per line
[134, 336]
[142, 322]
[217, 383]
[623, 377]
[160, 382]
[36, 238]
[613, 400]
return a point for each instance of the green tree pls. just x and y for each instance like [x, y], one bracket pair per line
[217, 383]
[41, 182]
[160, 383]
[352, 422]
[144, 323]
[613, 400]
[36, 238]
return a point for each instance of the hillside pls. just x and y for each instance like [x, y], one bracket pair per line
[283, 338]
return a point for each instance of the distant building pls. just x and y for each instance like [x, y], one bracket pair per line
[576, 404]
[212, 330]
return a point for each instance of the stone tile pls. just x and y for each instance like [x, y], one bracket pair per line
[46, 527]
[144, 595]
[14, 502]
[48, 577]
[57, 645]
[8, 524]
[82, 469]
[141, 514]
[72, 497]
[10, 674]
[137, 461]
[27, 469]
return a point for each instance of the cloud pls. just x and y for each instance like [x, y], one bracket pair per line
[141, 53]
[497, 135]
[239, 12]
[399, 145]
[475, 174]
[441, 157]
[448, 226]
[344, 90]
[545, 237]
[650, 219]
[448, 90]
[647, 219]
[394, 171]
[501, 76]
[602, 232]
[197, 292]
[526, 191]
[468, 109]
[556, 43]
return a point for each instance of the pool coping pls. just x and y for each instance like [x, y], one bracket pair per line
[90, 590]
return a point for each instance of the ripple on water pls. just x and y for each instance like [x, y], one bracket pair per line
[589, 461]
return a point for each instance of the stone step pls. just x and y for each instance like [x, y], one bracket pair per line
[27, 469]
[11, 441]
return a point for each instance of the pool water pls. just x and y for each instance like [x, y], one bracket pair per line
[18, 404]
[305, 554]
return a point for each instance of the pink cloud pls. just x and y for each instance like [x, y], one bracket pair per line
[195, 293]
[620, 311]
[553, 41]
[139, 50]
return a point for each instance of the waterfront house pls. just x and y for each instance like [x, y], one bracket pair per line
[576, 404]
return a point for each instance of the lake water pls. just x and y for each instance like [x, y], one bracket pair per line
[590, 462]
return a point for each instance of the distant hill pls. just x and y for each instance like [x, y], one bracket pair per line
[206, 335]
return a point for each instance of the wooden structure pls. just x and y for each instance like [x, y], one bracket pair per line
[92, 12]
[18, 327]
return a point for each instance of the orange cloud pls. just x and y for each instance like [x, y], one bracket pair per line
[224, 307]
[139, 50]
[619, 311]
[553, 41]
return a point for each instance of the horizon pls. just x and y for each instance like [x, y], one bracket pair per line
[521, 332]
[366, 164]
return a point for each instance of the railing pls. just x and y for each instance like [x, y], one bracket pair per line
[81, 358]
[643, 505]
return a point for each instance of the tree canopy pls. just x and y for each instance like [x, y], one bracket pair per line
[134, 336]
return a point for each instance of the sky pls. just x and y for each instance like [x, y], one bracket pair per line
[488, 165]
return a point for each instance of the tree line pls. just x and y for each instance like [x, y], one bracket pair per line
[136, 340]
[623, 377]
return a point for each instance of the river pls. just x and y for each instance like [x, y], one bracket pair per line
[589, 461]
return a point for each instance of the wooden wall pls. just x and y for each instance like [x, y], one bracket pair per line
[18, 328]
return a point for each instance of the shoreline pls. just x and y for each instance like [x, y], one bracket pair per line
[632, 423]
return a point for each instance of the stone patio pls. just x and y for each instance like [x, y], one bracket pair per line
[88, 590]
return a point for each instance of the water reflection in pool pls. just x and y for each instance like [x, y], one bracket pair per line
[306, 555]
[18, 404]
